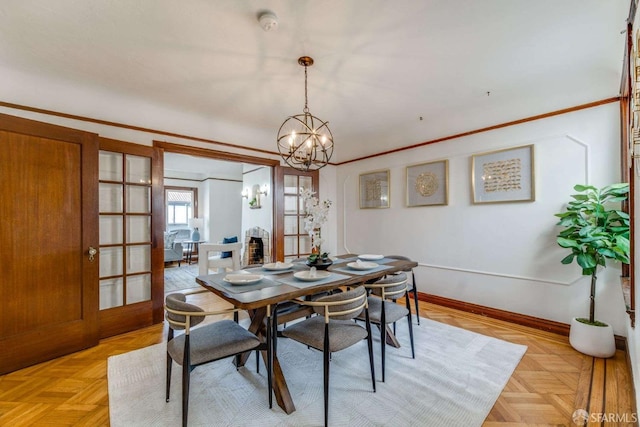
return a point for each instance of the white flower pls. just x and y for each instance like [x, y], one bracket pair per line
[316, 215]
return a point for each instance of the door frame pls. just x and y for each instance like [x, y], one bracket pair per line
[158, 188]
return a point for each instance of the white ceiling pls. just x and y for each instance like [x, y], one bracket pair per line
[380, 64]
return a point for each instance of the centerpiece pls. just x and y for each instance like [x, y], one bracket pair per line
[316, 213]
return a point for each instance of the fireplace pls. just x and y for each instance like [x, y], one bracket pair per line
[257, 248]
[256, 251]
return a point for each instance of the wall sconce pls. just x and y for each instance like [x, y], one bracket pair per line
[254, 195]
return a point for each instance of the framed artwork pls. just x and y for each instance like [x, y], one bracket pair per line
[374, 189]
[503, 175]
[428, 184]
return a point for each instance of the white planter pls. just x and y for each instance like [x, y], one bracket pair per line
[596, 341]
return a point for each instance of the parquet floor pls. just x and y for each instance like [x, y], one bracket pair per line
[549, 384]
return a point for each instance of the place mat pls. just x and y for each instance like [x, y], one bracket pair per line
[260, 270]
[239, 289]
[343, 260]
[361, 272]
[292, 281]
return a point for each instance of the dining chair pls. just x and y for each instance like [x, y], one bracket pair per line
[207, 343]
[410, 289]
[210, 257]
[333, 330]
[384, 311]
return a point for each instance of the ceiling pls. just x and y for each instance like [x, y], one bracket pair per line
[387, 74]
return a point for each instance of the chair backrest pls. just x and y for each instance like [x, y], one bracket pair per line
[205, 262]
[391, 287]
[177, 303]
[343, 305]
[400, 257]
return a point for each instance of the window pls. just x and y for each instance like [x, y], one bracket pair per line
[180, 205]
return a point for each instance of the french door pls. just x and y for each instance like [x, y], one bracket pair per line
[131, 289]
[48, 230]
[291, 240]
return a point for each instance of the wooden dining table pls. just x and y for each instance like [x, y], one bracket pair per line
[279, 287]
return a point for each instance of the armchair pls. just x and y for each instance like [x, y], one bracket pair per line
[173, 251]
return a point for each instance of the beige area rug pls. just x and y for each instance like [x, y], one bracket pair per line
[180, 278]
[454, 380]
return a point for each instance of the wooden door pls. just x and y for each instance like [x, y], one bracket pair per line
[131, 261]
[291, 241]
[48, 223]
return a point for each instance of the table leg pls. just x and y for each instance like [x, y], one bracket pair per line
[280, 387]
[391, 338]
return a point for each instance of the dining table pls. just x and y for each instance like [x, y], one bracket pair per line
[278, 286]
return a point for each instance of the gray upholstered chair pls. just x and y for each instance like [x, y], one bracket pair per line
[173, 250]
[383, 312]
[214, 341]
[333, 330]
[411, 289]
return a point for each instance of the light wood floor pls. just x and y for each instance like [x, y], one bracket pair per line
[549, 384]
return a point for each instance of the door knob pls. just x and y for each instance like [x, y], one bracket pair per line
[92, 252]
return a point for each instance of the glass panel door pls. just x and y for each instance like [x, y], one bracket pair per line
[125, 229]
[292, 241]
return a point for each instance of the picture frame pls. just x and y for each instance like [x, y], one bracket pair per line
[428, 184]
[374, 190]
[505, 175]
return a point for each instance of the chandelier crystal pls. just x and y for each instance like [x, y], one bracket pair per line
[305, 142]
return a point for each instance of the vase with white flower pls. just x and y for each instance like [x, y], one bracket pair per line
[316, 213]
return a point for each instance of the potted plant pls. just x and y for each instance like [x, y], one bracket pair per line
[594, 232]
[316, 215]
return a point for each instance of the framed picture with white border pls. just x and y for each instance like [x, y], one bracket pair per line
[374, 189]
[428, 184]
[505, 175]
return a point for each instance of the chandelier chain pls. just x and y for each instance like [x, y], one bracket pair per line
[306, 106]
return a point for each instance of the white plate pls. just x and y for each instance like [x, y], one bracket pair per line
[277, 266]
[362, 265]
[370, 257]
[304, 275]
[243, 279]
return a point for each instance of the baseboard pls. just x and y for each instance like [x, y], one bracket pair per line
[509, 316]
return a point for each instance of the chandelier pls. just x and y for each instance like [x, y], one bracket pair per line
[304, 141]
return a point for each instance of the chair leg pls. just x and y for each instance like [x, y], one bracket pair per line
[326, 374]
[168, 379]
[413, 352]
[383, 336]
[415, 295]
[269, 339]
[274, 335]
[186, 373]
[370, 345]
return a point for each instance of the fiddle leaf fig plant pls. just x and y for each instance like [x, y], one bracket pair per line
[594, 232]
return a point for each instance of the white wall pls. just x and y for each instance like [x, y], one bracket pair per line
[262, 217]
[224, 210]
[497, 255]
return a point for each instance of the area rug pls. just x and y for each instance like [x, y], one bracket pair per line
[454, 380]
[177, 278]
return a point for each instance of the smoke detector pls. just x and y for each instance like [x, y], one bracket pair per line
[268, 21]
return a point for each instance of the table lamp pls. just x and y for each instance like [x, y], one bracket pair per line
[196, 224]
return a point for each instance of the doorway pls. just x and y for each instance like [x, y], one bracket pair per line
[228, 190]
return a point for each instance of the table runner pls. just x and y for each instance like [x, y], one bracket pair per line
[292, 281]
[238, 289]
